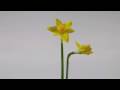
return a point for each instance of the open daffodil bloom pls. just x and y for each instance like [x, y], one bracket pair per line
[62, 30]
[84, 48]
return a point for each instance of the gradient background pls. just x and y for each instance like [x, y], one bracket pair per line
[28, 50]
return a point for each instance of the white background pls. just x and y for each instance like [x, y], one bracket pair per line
[28, 50]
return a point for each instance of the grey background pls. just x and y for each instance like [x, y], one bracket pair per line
[28, 50]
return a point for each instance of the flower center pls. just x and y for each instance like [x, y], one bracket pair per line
[61, 28]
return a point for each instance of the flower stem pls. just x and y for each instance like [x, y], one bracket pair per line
[67, 66]
[62, 60]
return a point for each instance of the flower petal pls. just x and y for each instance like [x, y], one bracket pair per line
[78, 44]
[70, 30]
[53, 30]
[58, 22]
[65, 37]
[68, 24]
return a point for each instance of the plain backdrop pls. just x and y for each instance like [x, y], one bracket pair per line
[29, 50]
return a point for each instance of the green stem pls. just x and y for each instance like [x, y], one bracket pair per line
[62, 60]
[67, 66]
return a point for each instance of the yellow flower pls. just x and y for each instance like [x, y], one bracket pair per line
[62, 30]
[84, 49]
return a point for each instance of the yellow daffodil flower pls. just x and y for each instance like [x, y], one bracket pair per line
[62, 30]
[84, 49]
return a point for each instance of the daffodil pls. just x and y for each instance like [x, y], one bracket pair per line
[81, 49]
[84, 48]
[62, 30]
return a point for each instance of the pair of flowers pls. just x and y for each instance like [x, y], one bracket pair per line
[62, 30]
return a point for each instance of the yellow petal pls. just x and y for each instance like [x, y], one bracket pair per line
[70, 30]
[53, 30]
[78, 44]
[65, 37]
[58, 22]
[68, 24]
